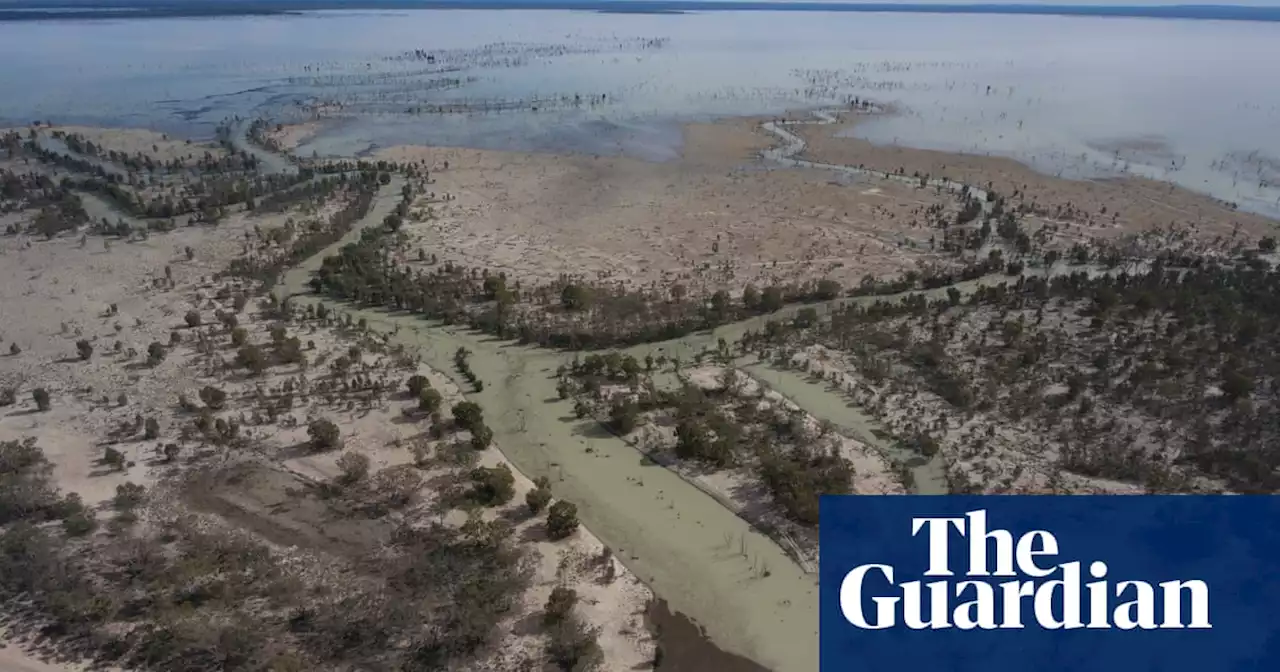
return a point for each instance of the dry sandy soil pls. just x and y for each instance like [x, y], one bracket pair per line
[706, 223]
[716, 218]
[287, 137]
[720, 218]
[159, 146]
[57, 292]
[741, 490]
[1107, 208]
[1014, 459]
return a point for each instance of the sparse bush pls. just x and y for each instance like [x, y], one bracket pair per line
[252, 358]
[575, 297]
[416, 384]
[492, 486]
[128, 495]
[114, 459]
[193, 319]
[171, 451]
[14, 349]
[805, 317]
[84, 349]
[239, 336]
[562, 520]
[8, 397]
[290, 352]
[152, 429]
[573, 646]
[429, 400]
[354, 466]
[481, 437]
[213, 397]
[537, 499]
[79, 523]
[21, 457]
[772, 299]
[468, 415]
[41, 397]
[798, 478]
[155, 353]
[624, 416]
[324, 435]
[559, 605]
[394, 487]
[827, 290]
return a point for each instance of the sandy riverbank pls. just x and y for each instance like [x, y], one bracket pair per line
[718, 218]
[707, 225]
[1085, 208]
[721, 217]
[118, 297]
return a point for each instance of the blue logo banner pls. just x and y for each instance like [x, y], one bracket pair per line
[1050, 583]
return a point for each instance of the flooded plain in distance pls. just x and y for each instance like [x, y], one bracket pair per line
[1071, 96]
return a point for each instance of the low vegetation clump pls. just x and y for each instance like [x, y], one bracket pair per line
[41, 398]
[138, 582]
[492, 486]
[325, 435]
[566, 313]
[562, 520]
[539, 497]
[213, 397]
[559, 605]
[1095, 371]
[716, 429]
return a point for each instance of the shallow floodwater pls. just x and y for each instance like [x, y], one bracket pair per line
[1184, 100]
[704, 560]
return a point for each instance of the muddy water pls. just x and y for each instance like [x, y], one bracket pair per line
[751, 599]
[708, 563]
[824, 402]
[268, 161]
[704, 560]
[296, 279]
[793, 145]
[684, 646]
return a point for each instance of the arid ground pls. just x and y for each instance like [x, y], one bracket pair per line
[296, 367]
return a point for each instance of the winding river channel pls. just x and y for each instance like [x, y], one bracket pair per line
[698, 555]
[707, 562]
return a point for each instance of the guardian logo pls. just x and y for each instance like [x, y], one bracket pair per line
[1050, 584]
[983, 604]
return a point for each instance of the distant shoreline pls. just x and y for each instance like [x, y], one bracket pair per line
[38, 10]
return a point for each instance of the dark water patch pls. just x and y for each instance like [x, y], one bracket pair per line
[683, 646]
[560, 132]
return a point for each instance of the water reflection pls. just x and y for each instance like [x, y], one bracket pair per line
[1177, 100]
